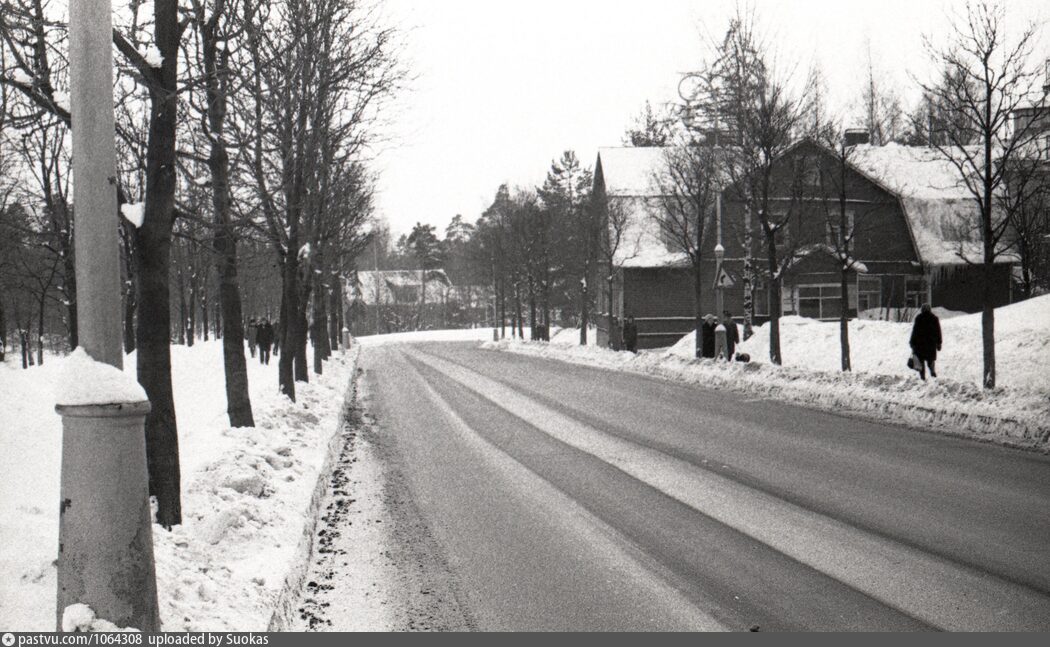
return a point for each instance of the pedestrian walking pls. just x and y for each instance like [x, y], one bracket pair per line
[926, 341]
[253, 335]
[265, 341]
[732, 334]
[630, 335]
[707, 336]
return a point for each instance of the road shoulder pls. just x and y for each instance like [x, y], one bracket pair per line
[374, 565]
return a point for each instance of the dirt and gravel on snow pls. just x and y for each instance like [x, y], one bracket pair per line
[374, 564]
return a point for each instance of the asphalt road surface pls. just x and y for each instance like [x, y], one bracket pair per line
[573, 498]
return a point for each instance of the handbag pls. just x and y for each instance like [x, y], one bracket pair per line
[914, 363]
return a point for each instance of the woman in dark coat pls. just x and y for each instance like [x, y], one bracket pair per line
[707, 336]
[630, 335]
[926, 340]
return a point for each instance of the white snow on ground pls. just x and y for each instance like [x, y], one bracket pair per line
[559, 336]
[245, 492]
[1022, 346]
[571, 336]
[1015, 413]
[421, 336]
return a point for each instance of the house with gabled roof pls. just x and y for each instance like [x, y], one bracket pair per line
[911, 222]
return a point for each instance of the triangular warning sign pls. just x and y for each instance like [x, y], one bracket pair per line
[723, 280]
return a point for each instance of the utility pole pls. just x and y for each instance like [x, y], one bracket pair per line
[105, 553]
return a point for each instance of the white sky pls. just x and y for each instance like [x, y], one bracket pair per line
[503, 87]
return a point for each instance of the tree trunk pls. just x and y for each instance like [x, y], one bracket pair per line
[152, 255]
[988, 326]
[191, 308]
[584, 311]
[69, 283]
[204, 308]
[532, 311]
[775, 304]
[289, 323]
[40, 330]
[3, 330]
[844, 323]
[335, 309]
[129, 317]
[152, 339]
[238, 401]
[698, 308]
[23, 340]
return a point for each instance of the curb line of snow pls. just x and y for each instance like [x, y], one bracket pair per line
[288, 597]
[860, 399]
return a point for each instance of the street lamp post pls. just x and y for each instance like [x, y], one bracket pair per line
[105, 550]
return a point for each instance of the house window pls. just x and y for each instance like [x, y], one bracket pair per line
[782, 236]
[833, 230]
[787, 299]
[914, 291]
[760, 299]
[869, 293]
[820, 301]
[405, 293]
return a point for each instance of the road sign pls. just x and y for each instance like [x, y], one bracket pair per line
[723, 280]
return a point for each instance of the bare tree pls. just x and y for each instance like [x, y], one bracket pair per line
[760, 116]
[988, 79]
[686, 214]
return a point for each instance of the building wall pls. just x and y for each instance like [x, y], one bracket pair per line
[960, 287]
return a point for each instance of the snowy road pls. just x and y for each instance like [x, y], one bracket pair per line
[565, 497]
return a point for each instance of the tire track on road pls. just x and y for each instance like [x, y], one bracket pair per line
[943, 594]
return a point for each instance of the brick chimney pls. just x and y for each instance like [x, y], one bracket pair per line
[854, 136]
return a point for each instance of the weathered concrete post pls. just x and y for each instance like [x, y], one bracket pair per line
[105, 552]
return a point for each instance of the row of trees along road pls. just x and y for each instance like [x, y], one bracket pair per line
[740, 113]
[239, 124]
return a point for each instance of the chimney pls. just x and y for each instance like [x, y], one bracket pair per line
[854, 136]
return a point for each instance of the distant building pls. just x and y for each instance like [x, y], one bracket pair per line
[914, 242]
[388, 301]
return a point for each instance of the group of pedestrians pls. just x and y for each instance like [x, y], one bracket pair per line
[261, 338]
[718, 339]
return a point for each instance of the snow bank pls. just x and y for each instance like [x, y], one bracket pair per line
[571, 336]
[1017, 413]
[84, 381]
[423, 336]
[246, 492]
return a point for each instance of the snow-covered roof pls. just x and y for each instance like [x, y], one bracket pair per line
[940, 210]
[632, 170]
[383, 283]
[631, 175]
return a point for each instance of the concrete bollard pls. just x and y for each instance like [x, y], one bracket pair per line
[105, 550]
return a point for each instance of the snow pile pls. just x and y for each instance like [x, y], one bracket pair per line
[1016, 413]
[134, 212]
[571, 336]
[84, 381]
[246, 493]
[1022, 347]
[81, 618]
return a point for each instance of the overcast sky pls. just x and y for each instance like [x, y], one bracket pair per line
[503, 87]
